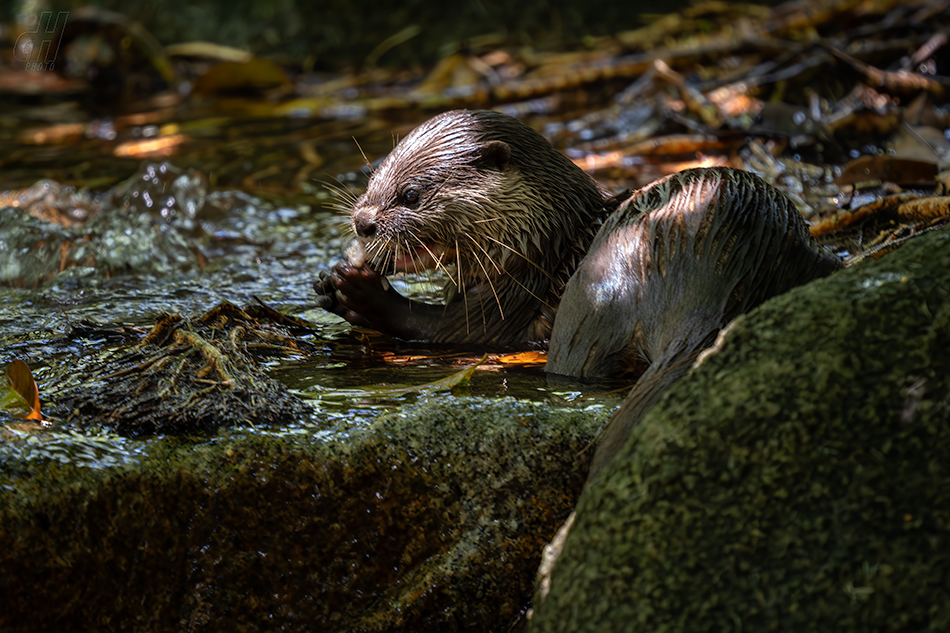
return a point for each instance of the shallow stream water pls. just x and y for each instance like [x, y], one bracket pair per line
[163, 242]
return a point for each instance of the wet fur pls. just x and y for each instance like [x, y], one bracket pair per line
[510, 215]
[677, 261]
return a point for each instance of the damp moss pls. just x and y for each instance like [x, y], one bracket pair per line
[796, 480]
[430, 518]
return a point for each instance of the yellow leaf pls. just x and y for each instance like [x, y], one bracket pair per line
[19, 395]
[524, 358]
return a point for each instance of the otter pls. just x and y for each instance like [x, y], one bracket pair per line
[486, 198]
[667, 271]
[522, 231]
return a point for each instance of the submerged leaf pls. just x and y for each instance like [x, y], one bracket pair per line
[242, 77]
[887, 168]
[458, 379]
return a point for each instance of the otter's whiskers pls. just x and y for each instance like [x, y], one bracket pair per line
[488, 277]
[343, 197]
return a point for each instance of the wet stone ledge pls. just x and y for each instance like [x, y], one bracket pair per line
[428, 519]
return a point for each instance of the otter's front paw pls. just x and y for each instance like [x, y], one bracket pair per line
[357, 293]
[363, 294]
[326, 293]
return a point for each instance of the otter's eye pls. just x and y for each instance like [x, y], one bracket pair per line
[410, 196]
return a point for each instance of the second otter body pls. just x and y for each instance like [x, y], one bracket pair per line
[489, 200]
[678, 260]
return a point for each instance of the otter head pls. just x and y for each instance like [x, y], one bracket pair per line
[469, 188]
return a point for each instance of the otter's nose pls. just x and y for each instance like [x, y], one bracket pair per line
[364, 222]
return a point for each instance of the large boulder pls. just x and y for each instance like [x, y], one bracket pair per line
[798, 479]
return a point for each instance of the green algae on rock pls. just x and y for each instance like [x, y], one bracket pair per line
[796, 480]
[431, 518]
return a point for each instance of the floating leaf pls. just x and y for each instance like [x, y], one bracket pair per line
[524, 358]
[19, 395]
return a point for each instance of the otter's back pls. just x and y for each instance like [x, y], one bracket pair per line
[678, 260]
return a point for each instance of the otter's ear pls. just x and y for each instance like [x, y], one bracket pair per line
[494, 155]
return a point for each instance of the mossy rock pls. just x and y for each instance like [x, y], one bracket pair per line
[428, 519]
[797, 480]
